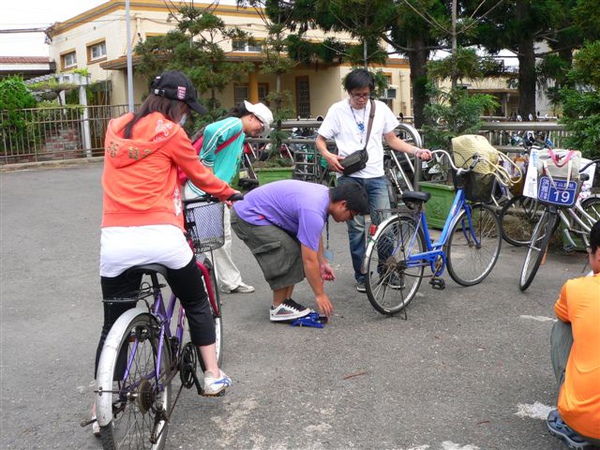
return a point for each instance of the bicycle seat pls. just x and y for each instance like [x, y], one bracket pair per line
[415, 196]
[147, 269]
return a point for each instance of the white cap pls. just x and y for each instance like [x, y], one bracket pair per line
[261, 111]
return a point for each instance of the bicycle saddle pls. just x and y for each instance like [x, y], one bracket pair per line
[415, 196]
[147, 269]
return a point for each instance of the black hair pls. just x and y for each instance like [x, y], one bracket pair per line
[595, 237]
[354, 195]
[238, 111]
[171, 109]
[359, 78]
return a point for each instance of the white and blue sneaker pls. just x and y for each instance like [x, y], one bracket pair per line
[215, 386]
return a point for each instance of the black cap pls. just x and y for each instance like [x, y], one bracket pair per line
[176, 86]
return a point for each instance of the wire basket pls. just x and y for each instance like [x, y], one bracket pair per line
[204, 223]
[478, 187]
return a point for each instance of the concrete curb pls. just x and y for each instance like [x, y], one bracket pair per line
[51, 164]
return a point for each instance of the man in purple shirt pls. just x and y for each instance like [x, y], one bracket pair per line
[282, 223]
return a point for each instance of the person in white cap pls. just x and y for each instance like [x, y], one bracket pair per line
[221, 152]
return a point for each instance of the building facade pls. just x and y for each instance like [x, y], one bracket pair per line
[96, 41]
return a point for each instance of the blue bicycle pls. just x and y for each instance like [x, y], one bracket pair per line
[401, 247]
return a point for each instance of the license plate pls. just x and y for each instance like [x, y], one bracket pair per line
[557, 192]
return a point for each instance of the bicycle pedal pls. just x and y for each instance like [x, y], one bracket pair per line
[220, 394]
[437, 283]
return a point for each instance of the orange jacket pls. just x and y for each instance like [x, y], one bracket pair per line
[579, 397]
[140, 174]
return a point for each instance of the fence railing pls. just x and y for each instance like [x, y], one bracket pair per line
[46, 134]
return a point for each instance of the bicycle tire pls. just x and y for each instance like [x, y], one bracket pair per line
[393, 194]
[216, 311]
[537, 247]
[473, 248]
[138, 407]
[390, 283]
[591, 206]
[518, 218]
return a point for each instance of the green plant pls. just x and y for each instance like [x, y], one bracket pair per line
[453, 112]
[581, 102]
[15, 128]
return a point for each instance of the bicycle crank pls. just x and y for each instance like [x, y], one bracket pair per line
[188, 366]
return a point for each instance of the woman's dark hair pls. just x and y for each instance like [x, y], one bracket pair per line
[358, 79]
[171, 109]
[354, 194]
[238, 111]
[595, 237]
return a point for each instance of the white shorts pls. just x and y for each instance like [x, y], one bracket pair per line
[125, 247]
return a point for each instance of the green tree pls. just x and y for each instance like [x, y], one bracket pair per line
[581, 101]
[518, 25]
[195, 48]
[453, 112]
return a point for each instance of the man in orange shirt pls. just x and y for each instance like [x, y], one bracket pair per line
[575, 349]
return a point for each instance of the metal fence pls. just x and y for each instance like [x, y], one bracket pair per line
[46, 134]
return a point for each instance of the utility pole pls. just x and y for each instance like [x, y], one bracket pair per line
[454, 76]
[129, 60]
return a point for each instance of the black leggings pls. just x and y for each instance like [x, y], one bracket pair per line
[186, 284]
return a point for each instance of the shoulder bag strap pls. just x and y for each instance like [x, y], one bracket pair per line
[371, 115]
[227, 142]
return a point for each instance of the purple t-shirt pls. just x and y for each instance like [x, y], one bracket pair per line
[298, 207]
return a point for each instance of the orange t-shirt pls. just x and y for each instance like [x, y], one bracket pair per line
[579, 397]
[140, 173]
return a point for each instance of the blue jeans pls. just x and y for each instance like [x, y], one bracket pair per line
[379, 199]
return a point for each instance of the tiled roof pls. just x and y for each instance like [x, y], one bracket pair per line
[24, 59]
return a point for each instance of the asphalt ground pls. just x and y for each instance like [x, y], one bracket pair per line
[469, 368]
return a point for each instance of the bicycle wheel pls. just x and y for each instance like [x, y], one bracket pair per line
[392, 282]
[139, 403]
[518, 218]
[473, 248]
[537, 247]
[591, 206]
[391, 174]
[215, 309]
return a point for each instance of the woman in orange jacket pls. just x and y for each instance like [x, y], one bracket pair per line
[142, 220]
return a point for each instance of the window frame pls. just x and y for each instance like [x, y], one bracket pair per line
[90, 49]
[63, 60]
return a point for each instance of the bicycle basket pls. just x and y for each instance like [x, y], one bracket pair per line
[478, 187]
[204, 222]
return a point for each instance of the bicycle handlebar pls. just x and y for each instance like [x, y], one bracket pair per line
[459, 170]
[207, 198]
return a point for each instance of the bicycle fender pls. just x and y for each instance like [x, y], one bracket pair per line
[108, 359]
[373, 239]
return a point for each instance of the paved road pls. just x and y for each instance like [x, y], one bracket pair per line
[468, 370]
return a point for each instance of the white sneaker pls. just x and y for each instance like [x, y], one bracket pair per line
[241, 288]
[214, 386]
[288, 310]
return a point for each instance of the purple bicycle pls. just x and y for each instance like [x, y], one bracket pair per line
[142, 355]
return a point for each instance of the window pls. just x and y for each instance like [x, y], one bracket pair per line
[69, 60]
[242, 46]
[302, 97]
[96, 51]
[241, 92]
